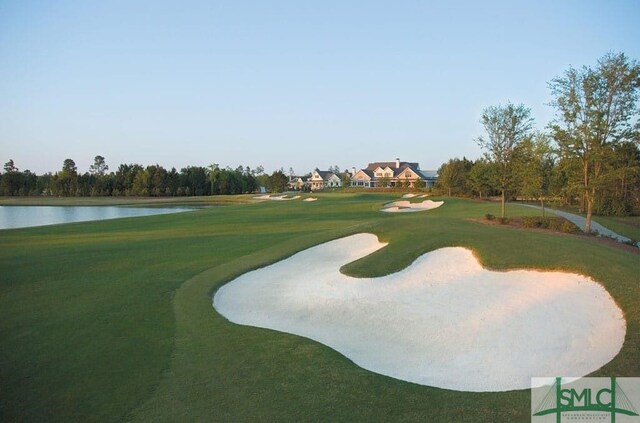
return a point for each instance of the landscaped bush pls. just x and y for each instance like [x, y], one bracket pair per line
[504, 220]
[558, 224]
[569, 227]
[489, 216]
[531, 221]
[555, 223]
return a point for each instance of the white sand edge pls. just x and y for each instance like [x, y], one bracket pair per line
[444, 321]
[406, 206]
[282, 197]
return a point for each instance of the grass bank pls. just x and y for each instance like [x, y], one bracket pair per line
[112, 320]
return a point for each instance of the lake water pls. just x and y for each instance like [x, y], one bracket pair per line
[25, 216]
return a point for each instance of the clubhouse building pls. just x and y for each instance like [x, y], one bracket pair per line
[393, 174]
[375, 175]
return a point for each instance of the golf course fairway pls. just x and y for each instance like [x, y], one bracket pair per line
[113, 320]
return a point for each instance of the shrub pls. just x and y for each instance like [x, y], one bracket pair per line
[558, 224]
[489, 216]
[555, 223]
[569, 228]
[504, 220]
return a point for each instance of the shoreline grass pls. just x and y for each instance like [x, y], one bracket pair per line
[126, 201]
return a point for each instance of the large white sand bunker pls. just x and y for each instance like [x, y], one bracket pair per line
[444, 321]
[405, 206]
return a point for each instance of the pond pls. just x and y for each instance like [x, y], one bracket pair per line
[12, 217]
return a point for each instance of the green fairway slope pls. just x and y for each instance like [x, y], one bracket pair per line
[112, 321]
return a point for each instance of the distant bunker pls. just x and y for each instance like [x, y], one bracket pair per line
[405, 206]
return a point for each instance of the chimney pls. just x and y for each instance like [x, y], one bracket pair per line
[397, 163]
[353, 171]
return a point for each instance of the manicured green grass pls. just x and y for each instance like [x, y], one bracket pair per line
[628, 226]
[112, 320]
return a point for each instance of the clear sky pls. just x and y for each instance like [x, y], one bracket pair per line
[299, 84]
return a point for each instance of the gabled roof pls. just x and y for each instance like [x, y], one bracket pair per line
[398, 172]
[392, 165]
[324, 174]
[381, 168]
[369, 173]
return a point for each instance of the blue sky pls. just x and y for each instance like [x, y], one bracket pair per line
[298, 84]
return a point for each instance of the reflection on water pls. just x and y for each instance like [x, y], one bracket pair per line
[26, 216]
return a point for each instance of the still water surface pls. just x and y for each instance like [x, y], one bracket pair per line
[26, 216]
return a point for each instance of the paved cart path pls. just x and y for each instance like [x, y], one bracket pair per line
[580, 222]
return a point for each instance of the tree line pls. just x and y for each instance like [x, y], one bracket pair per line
[588, 155]
[136, 180]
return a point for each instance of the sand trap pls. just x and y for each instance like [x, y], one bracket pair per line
[444, 321]
[409, 195]
[276, 197]
[406, 207]
[310, 199]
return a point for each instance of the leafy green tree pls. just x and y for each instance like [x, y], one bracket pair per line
[99, 166]
[506, 126]
[98, 181]
[620, 194]
[158, 180]
[29, 183]
[142, 183]
[9, 167]
[69, 166]
[534, 163]
[453, 175]
[66, 181]
[213, 172]
[278, 181]
[195, 178]
[345, 177]
[44, 184]
[595, 110]
[262, 179]
[482, 177]
[172, 182]
[11, 181]
[229, 182]
[124, 177]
